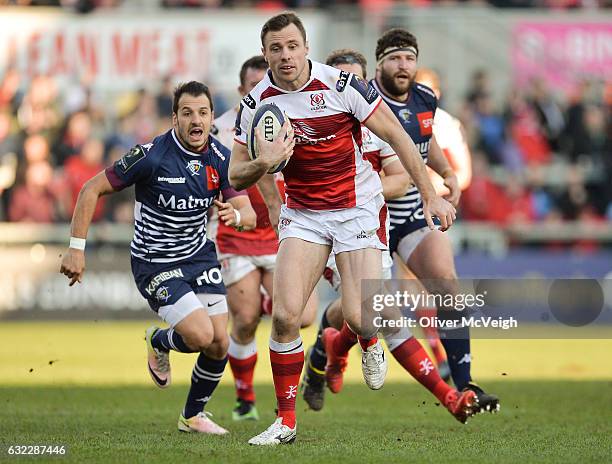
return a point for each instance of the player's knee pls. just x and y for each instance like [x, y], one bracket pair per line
[245, 326]
[219, 346]
[285, 322]
[199, 340]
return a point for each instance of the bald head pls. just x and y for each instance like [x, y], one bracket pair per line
[429, 78]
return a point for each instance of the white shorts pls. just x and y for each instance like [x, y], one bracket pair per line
[235, 267]
[188, 303]
[408, 244]
[363, 226]
[332, 275]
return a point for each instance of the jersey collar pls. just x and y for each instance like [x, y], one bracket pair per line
[187, 152]
[390, 100]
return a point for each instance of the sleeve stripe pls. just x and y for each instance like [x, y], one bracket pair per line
[114, 179]
[373, 109]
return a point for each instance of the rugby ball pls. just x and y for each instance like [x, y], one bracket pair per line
[269, 119]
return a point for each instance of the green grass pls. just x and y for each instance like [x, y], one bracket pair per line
[97, 398]
[540, 422]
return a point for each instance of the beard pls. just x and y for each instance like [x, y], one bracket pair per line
[392, 88]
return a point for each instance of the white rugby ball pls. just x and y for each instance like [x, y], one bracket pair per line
[269, 119]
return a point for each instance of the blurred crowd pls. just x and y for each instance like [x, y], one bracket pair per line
[536, 158]
[86, 6]
[539, 158]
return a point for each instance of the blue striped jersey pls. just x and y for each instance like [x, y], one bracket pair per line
[416, 116]
[174, 188]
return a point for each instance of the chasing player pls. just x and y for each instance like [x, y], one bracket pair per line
[403, 346]
[177, 177]
[426, 252]
[334, 199]
[247, 263]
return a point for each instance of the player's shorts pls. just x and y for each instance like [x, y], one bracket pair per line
[363, 226]
[332, 275]
[409, 232]
[235, 267]
[175, 290]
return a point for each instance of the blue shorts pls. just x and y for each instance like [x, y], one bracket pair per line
[410, 221]
[163, 284]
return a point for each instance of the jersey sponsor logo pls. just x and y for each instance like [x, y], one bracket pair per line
[162, 277]
[317, 102]
[237, 129]
[172, 180]
[210, 276]
[183, 204]
[426, 122]
[423, 148]
[304, 134]
[194, 167]
[284, 223]
[212, 178]
[366, 90]
[342, 80]
[131, 158]
[249, 101]
[216, 151]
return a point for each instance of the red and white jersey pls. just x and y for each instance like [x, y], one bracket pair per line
[378, 152]
[223, 127]
[327, 170]
[257, 242]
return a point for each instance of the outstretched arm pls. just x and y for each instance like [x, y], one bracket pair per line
[73, 262]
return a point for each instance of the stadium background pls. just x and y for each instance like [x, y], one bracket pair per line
[82, 82]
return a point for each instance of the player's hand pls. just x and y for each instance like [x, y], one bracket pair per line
[280, 149]
[442, 209]
[227, 214]
[452, 184]
[73, 265]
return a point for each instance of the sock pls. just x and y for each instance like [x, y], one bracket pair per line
[431, 333]
[411, 355]
[205, 377]
[242, 360]
[169, 339]
[456, 342]
[318, 358]
[366, 342]
[344, 340]
[287, 360]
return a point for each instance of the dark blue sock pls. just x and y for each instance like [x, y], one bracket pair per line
[205, 377]
[169, 339]
[456, 342]
[318, 358]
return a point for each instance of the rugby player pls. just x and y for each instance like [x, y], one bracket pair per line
[247, 263]
[334, 199]
[428, 253]
[177, 178]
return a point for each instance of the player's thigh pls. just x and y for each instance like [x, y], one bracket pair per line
[433, 257]
[244, 298]
[196, 329]
[299, 265]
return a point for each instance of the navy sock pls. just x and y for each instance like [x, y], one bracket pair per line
[205, 377]
[456, 342]
[169, 339]
[318, 358]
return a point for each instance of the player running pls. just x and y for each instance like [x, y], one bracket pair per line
[247, 263]
[403, 346]
[334, 199]
[426, 252]
[177, 177]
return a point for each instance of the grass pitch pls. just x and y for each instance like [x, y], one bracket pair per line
[96, 398]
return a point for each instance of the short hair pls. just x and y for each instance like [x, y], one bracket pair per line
[395, 37]
[256, 62]
[191, 88]
[281, 21]
[347, 56]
